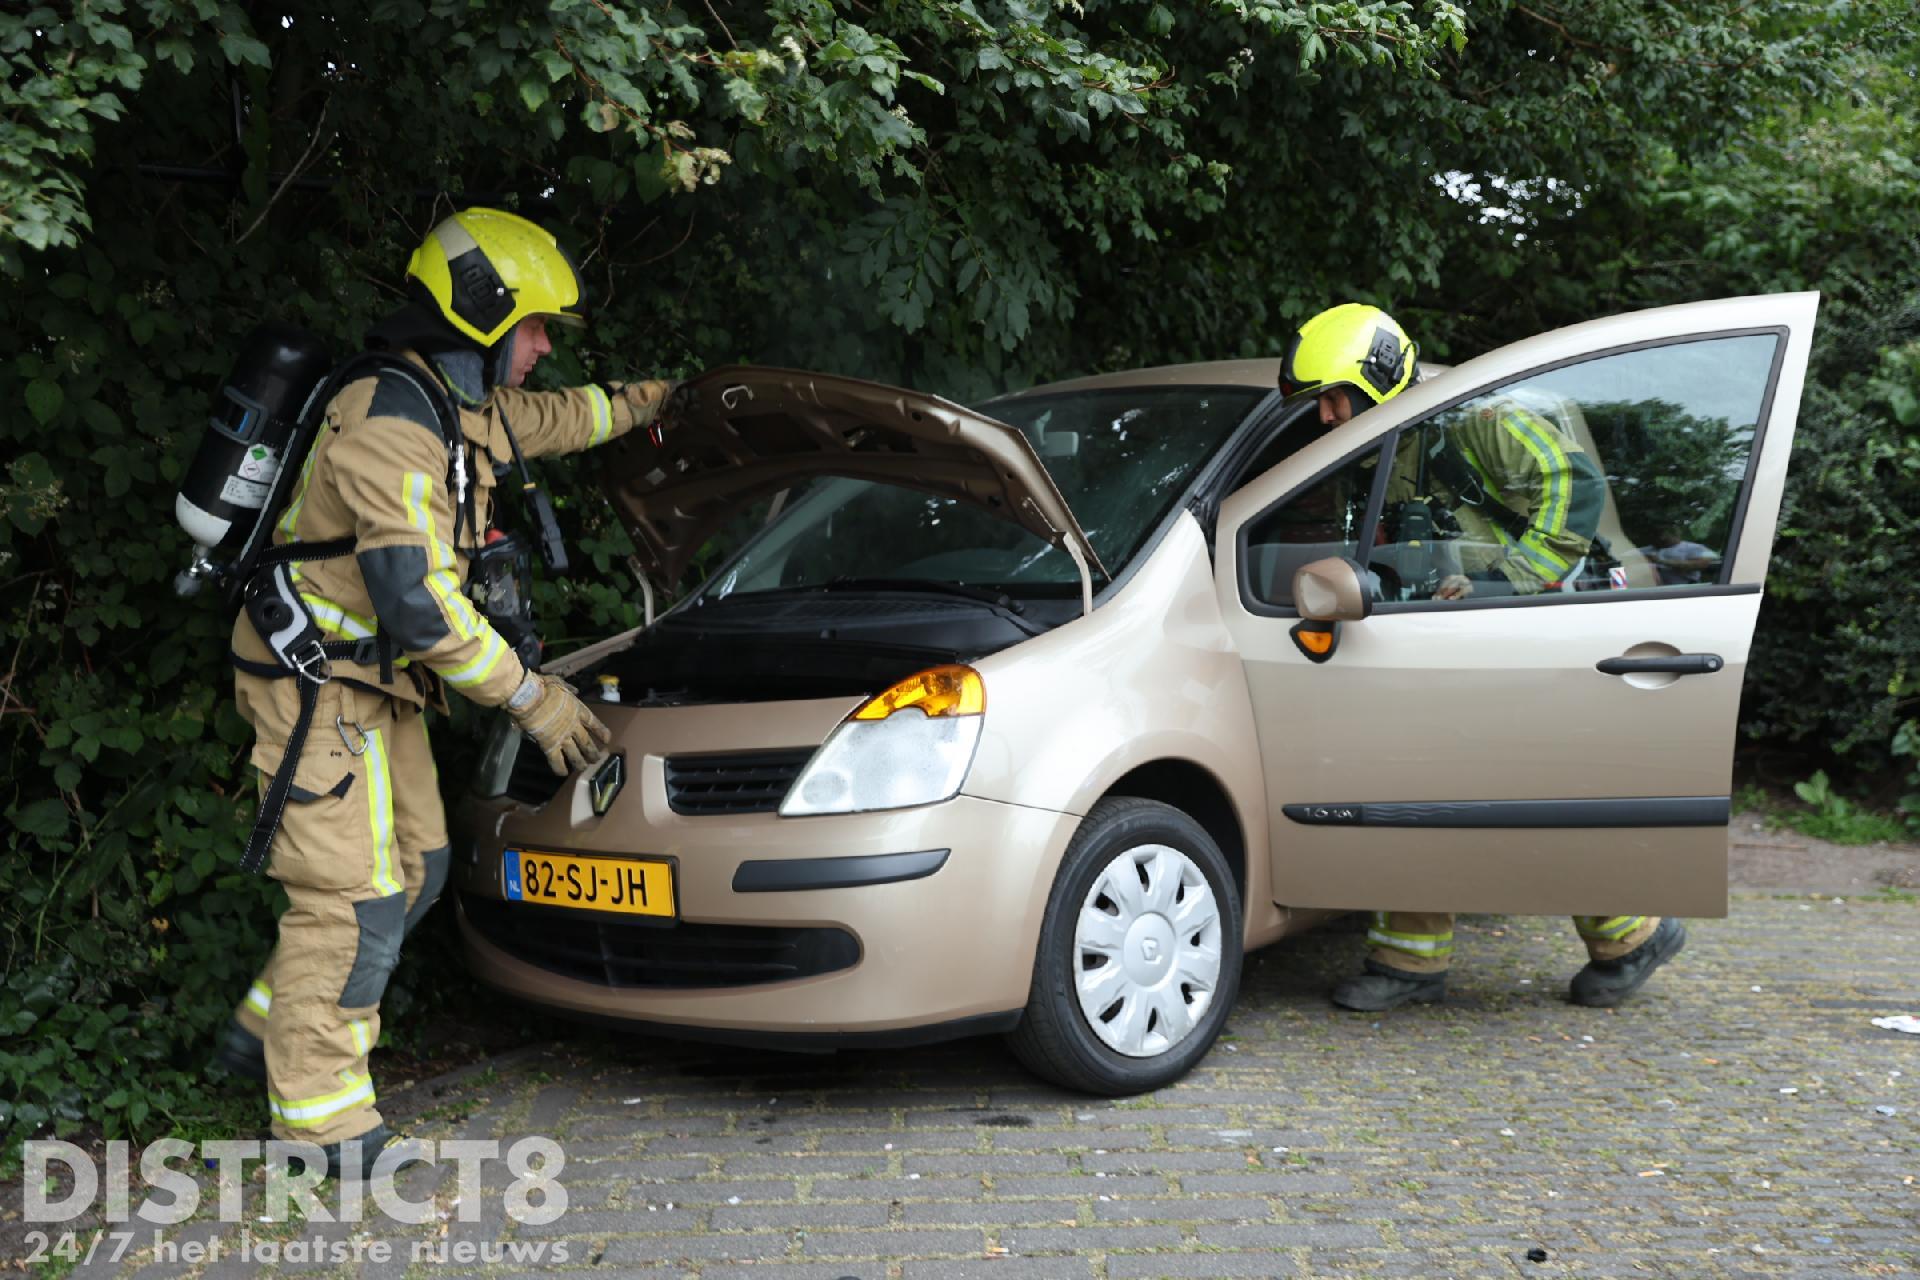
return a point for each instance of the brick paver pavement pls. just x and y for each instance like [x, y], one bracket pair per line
[1741, 1118]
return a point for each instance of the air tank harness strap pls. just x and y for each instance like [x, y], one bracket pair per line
[306, 660]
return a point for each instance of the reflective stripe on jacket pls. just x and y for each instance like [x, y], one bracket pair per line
[1535, 470]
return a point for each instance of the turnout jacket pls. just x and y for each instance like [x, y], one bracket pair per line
[379, 473]
[1505, 452]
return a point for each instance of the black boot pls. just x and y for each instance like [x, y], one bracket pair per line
[345, 1163]
[241, 1053]
[1380, 987]
[1605, 983]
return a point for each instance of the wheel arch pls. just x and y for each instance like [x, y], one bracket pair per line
[1195, 791]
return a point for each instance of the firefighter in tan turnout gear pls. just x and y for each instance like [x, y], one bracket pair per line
[408, 485]
[1527, 498]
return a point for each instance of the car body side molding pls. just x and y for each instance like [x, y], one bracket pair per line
[1627, 811]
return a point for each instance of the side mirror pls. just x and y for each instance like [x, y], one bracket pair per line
[1332, 590]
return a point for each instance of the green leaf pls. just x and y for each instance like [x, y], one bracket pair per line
[177, 50]
[123, 739]
[47, 819]
[44, 400]
[600, 117]
[746, 99]
[242, 48]
[1905, 403]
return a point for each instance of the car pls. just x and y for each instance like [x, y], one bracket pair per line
[1033, 718]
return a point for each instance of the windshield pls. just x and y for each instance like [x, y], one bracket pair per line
[1120, 457]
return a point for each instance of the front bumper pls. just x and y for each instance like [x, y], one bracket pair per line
[951, 946]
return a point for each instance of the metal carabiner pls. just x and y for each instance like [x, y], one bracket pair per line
[310, 663]
[340, 723]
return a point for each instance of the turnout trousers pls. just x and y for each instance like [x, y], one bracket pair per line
[362, 852]
[1422, 941]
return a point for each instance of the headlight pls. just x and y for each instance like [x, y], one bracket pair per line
[496, 762]
[910, 745]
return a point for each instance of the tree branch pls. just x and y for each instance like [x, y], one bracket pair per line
[723, 25]
[318, 127]
[1565, 34]
[676, 248]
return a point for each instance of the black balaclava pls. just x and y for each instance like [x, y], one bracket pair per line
[469, 370]
[500, 361]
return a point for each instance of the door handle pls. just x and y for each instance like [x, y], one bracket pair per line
[1679, 664]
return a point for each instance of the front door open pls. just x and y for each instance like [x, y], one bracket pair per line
[1566, 540]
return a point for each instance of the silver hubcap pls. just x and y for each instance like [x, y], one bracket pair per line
[1147, 951]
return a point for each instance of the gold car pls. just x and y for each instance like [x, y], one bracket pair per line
[1034, 717]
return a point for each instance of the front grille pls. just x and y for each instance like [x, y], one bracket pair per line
[741, 782]
[616, 952]
[531, 781]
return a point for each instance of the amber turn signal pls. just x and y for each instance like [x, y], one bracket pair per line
[1316, 639]
[950, 690]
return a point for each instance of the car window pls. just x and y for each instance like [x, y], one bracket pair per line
[1299, 427]
[1619, 472]
[838, 529]
[1121, 457]
[1323, 519]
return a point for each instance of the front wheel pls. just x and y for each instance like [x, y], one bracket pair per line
[1139, 955]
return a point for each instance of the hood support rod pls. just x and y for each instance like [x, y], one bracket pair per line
[646, 587]
[1086, 576]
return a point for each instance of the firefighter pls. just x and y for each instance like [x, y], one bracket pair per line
[1528, 497]
[396, 495]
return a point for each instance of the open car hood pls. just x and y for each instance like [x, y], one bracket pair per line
[755, 431]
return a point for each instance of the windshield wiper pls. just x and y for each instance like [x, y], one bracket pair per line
[985, 595]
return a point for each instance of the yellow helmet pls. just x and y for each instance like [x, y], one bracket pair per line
[1351, 345]
[487, 270]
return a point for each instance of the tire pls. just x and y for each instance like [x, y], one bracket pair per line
[1079, 1030]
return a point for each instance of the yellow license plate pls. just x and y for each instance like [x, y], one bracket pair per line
[621, 885]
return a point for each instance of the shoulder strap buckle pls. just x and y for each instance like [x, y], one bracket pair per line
[309, 662]
[367, 651]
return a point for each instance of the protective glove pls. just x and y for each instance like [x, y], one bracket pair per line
[660, 404]
[683, 401]
[681, 406]
[559, 723]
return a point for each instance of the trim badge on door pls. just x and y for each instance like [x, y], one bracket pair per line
[1625, 811]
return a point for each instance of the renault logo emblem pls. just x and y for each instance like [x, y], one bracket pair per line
[606, 782]
[1149, 949]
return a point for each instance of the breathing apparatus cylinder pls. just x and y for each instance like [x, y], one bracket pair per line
[256, 440]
